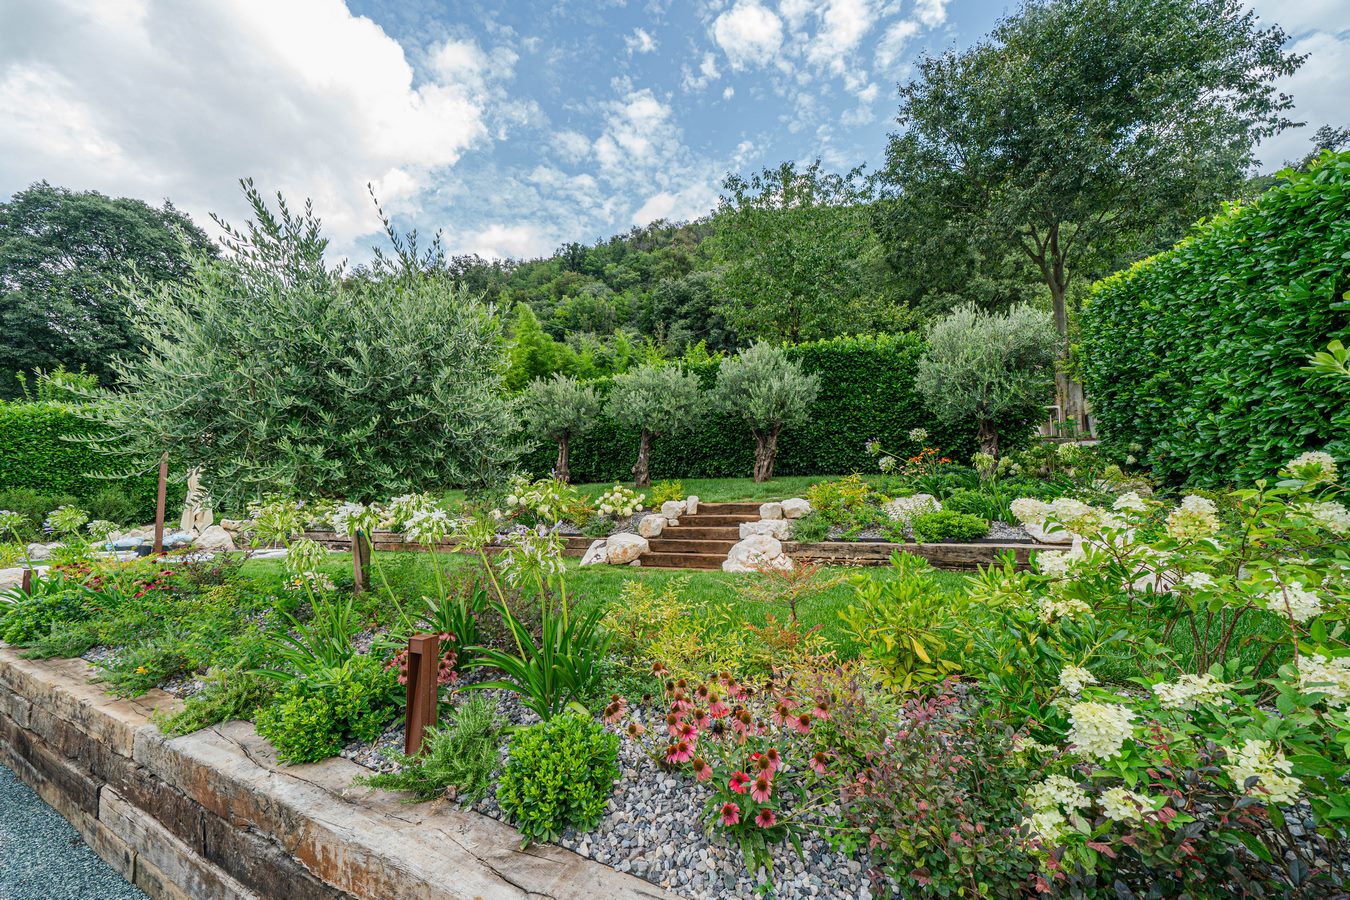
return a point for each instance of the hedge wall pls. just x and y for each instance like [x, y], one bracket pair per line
[35, 454]
[1196, 354]
[866, 391]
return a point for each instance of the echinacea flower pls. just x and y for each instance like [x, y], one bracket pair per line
[774, 759]
[679, 752]
[766, 818]
[802, 723]
[702, 771]
[700, 719]
[818, 762]
[822, 710]
[731, 814]
[738, 782]
[635, 729]
[716, 708]
[688, 732]
[759, 792]
[618, 706]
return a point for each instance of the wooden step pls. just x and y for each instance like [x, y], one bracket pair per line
[730, 509]
[678, 545]
[696, 533]
[683, 560]
[700, 520]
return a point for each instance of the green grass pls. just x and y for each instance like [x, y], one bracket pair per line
[713, 490]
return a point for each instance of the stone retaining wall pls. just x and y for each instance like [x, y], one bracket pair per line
[214, 815]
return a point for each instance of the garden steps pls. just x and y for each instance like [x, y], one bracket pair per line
[701, 540]
[662, 560]
[747, 509]
[717, 520]
[680, 544]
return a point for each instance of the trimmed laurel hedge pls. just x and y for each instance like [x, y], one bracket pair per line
[866, 391]
[35, 454]
[1196, 355]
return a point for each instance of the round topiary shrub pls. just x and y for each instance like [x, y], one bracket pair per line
[558, 773]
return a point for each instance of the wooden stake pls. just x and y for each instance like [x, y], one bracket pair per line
[360, 562]
[424, 665]
[160, 500]
[26, 585]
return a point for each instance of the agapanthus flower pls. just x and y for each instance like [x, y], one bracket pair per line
[731, 814]
[531, 553]
[766, 818]
[1074, 678]
[739, 782]
[1100, 729]
[761, 789]
[1189, 691]
[428, 527]
[1258, 759]
[1295, 601]
[918, 435]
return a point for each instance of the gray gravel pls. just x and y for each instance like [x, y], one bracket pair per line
[43, 858]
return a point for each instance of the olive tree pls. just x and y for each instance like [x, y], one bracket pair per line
[770, 392]
[272, 372]
[981, 365]
[559, 409]
[657, 400]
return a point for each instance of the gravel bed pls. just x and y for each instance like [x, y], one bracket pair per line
[999, 533]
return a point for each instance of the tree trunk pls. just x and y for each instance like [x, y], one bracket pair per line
[766, 450]
[641, 476]
[1051, 260]
[560, 470]
[988, 437]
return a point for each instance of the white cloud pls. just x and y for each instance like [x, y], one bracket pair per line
[728, 92]
[500, 241]
[843, 25]
[893, 42]
[707, 73]
[1319, 89]
[156, 100]
[931, 12]
[639, 42]
[573, 146]
[748, 34]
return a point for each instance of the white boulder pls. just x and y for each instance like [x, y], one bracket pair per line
[903, 509]
[778, 528]
[1061, 536]
[651, 526]
[771, 511]
[624, 548]
[214, 538]
[595, 554]
[795, 508]
[691, 504]
[41, 551]
[672, 509]
[757, 553]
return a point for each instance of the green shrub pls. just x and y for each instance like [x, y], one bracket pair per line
[313, 718]
[1195, 358]
[948, 525]
[811, 528]
[558, 774]
[112, 504]
[867, 391]
[459, 760]
[229, 694]
[665, 490]
[34, 506]
[55, 603]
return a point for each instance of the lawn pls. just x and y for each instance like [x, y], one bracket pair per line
[714, 490]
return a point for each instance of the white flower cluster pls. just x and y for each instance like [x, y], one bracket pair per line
[11, 522]
[1296, 601]
[1130, 502]
[531, 552]
[1057, 563]
[1100, 729]
[1030, 511]
[317, 582]
[1120, 805]
[1313, 467]
[1198, 581]
[350, 517]
[1079, 517]
[1189, 691]
[401, 510]
[886, 463]
[99, 529]
[1326, 676]
[918, 435]
[1052, 608]
[1331, 516]
[1196, 517]
[1054, 802]
[428, 527]
[303, 556]
[620, 501]
[1257, 759]
[1074, 678]
[547, 498]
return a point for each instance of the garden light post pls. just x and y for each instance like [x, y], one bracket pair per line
[424, 660]
[160, 498]
[360, 561]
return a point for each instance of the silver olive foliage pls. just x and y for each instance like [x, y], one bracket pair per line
[770, 392]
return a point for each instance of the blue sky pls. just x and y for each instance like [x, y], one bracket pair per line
[513, 127]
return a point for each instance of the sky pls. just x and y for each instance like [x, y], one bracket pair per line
[511, 127]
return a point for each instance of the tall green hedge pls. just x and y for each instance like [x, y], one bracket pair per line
[867, 391]
[35, 453]
[1196, 355]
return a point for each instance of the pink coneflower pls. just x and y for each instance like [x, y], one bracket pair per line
[716, 708]
[774, 759]
[802, 723]
[702, 771]
[766, 818]
[687, 732]
[761, 764]
[700, 718]
[822, 710]
[680, 703]
[761, 789]
[781, 713]
[731, 814]
[701, 692]
[738, 783]
[635, 729]
[618, 706]
[673, 724]
[818, 762]
[679, 752]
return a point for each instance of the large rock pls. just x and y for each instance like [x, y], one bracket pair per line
[778, 528]
[903, 509]
[214, 538]
[624, 548]
[691, 504]
[771, 511]
[651, 526]
[795, 508]
[41, 551]
[1061, 536]
[672, 509]
[235, 526]
[595, 554]
[757, 553]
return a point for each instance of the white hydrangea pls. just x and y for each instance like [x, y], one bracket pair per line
[1189, 691]
[1332, 516]
[1052, 608]
[620, 501]
[1196, 517]
[1257, 759]
[1198, 581]
[1074, 678]
[1314, 467]
[1326, 676]
[1054, 563]
[1030, 511]
[1049, 825]
[1100, 729]
[1296, 601]
[1057, 792]
[1120, 805]
[1131, 502]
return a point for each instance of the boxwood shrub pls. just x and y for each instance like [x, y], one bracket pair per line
[866, 391]
[1194, 358]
